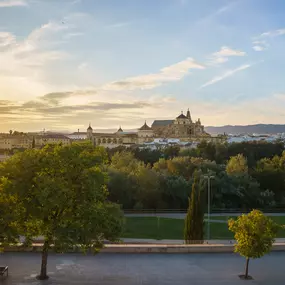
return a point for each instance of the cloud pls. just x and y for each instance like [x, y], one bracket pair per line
[273, 33]
[170, 73]
[72, 35]
[226, 75]
[260, 42]
[6, 39]
[42, 108]
[12, 3]
[260, 45]
[279, 96]
[216, 13]
[223, 55]
[258, 48]
[27, 63]
[119, 25]
[226, 52]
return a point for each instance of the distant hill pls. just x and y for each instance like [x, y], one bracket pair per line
[248, 129]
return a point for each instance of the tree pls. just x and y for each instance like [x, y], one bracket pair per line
[33, 143]
[148, 191]
[194, 221]
[171, 151]
[126, 162]
[254, 234]
[59, 192]
[237, 165]
[148, 156]
[174, 191]
[123, 188]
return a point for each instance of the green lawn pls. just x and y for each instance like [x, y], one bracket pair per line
[166, 228]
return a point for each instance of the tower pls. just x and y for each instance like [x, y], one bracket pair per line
[89, 132]
[188, 115]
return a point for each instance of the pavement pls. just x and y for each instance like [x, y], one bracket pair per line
[180, 241]
[182, 215]
[143, 269]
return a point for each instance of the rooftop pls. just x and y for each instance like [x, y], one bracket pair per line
[181, 116]
[157, 123]
[145, 127]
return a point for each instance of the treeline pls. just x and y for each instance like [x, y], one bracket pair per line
[244, 175]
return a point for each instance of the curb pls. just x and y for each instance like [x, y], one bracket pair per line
[149, 248]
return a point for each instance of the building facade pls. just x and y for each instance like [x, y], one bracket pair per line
[25, 141]
[181, 128]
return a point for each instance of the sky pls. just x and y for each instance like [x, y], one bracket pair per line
[65, 64]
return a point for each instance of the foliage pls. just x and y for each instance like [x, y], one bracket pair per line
[241, 188]
[194, 220]
[237, 165]
[148, 156]
[60, 193]
[254, 234]
[171, 151]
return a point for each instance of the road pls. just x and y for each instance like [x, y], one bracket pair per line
[143, 269]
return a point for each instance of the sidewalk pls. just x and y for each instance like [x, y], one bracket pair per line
[179, 242]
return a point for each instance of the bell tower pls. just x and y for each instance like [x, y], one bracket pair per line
[89, 132]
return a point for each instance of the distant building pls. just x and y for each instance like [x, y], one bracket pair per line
[51, 139]
[20, 141]
[24, 141]
[182, 128]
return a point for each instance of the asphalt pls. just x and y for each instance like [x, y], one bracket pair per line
[146, 269]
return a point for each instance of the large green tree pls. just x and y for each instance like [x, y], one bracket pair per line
[237, 165]
[254, 234]
[59, 193]
[194, 220]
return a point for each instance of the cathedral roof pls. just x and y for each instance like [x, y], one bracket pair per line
[145, 127]
[89, 128]
[181, 116]
[157, 123]
[119, 130]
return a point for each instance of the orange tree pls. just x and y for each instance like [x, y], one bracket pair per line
[254, 234]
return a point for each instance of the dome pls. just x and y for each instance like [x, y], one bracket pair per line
[89, 128]
[120, 130]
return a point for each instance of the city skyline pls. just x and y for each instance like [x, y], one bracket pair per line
[65, 64]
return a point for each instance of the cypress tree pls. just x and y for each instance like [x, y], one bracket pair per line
[194, 221]
[33, 143]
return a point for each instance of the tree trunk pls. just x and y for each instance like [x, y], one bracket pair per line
[43, 274]
[246, 268]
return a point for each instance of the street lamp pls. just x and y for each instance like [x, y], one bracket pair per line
[209, 177]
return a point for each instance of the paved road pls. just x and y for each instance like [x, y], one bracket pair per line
[146, 269]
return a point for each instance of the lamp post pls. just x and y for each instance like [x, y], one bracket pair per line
[208, 177]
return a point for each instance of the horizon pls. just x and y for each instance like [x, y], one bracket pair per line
[65, 64]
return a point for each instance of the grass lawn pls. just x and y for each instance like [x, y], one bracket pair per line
[166, 228]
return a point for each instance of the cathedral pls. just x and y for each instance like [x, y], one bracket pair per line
[182, 128]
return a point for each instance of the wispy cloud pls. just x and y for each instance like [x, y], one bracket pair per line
[273, 33]
[225, 75]
[223, 55]
[119, 25]
[72, 35]
[217, 12]
[12, 3]
[260, 42]
[170, 73]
